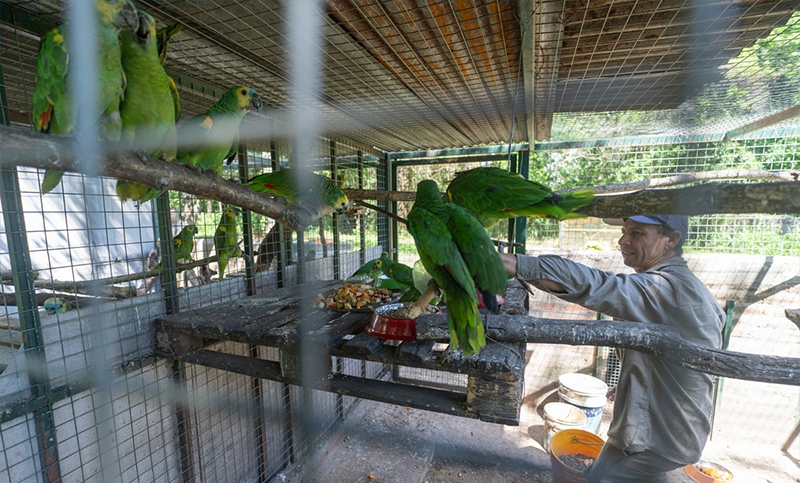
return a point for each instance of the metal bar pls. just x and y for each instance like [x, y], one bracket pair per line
[247, 227]
[76, 385]
[629, 142]
[169, 275]
[183, 417]
[383, 220]
[784, 115]
[521, 224]
[394, 238]
[502, 149]
[453, 160]
[280, 264]
[22, 270]
[337, 262]
[28, 307]
[362, 226]
[512, 167]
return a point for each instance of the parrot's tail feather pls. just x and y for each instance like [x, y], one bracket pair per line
[465, 320]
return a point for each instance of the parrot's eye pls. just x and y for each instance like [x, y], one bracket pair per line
[244, 92]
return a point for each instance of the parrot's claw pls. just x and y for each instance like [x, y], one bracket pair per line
[142, 155]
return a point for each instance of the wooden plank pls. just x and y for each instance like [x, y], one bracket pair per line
[405, 395]
[362, 344]
[416, 351]
[345, 324]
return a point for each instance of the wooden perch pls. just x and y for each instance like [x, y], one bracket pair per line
[794, 316]
[779, 197]
[36, 150]
[658, 340]
[686, 178]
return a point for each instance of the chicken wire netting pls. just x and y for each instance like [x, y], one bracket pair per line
[87, 398]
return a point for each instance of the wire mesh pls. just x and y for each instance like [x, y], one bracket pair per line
[87, 397]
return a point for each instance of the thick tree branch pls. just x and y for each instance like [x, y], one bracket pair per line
[27, 148]
[686, 178]
[782, 197]
[658, 340]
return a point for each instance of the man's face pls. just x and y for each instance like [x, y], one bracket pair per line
[642, 245]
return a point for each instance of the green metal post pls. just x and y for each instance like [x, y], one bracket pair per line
[521, 225]
[362, 236]
[22, 273]
[334, 219]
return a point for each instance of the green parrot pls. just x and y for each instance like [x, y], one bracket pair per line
[207, 140]
[56, 305]
[458, 253]
[183, 244]
[317, 188]
[226, 242]
[492, 194]
[400, 274]
[151, 105]
[367, 270]
[53, 108]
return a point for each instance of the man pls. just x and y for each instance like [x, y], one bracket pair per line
[661, 411]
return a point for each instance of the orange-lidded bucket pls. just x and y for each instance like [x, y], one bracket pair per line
[569, 443]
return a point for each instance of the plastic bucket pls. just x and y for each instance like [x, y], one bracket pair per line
[560, 416]
[569, 443]
[587, 393]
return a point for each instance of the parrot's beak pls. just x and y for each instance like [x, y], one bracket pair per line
[143, 31]
[255, 102]
[128, 18]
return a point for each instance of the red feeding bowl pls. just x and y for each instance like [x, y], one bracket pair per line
[395, 328]
[391, 327]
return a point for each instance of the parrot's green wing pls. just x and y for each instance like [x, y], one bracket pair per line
[479, 253]
[205, 141]
[226, 239]
[492, 194]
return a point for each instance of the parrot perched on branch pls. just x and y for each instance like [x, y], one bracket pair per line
[226, 239]
[492, 194]
[54, 111]
[458, 253]
[312, 188]
[151, 105]
[207, 140]
[183, 244]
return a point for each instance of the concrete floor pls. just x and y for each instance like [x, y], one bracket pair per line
[385, 443]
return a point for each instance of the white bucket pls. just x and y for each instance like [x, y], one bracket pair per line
[559, 416]
[587, 393]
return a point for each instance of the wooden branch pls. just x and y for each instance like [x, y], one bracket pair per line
[658, 340]
[686, 178]
[380, 195]
[794, 316]
[782, 197]
[380, 210]
[36, 150]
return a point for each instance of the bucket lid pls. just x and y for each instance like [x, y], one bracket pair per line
[583, 384]
[563, 412]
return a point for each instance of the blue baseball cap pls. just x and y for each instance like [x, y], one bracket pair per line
[679, 223]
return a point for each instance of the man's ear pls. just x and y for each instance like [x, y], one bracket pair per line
[673, 239]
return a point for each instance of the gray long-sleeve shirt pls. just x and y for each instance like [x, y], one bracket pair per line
[660, 406]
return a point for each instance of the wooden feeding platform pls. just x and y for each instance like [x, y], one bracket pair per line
[287, 320]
